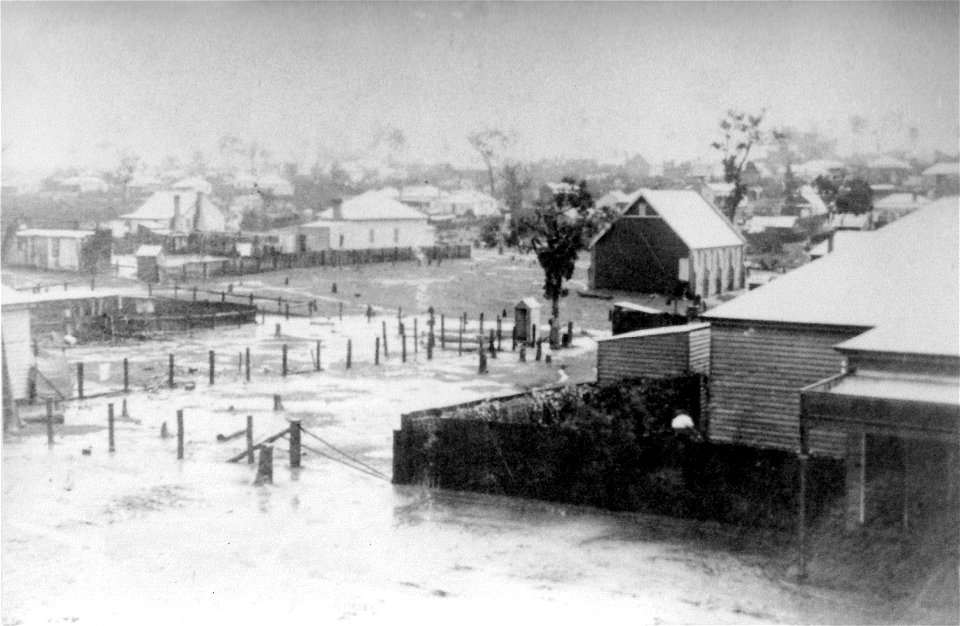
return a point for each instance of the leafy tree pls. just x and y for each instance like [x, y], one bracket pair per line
[828, 187]
[791, 192]
[560, 229]
[490, 145]
[740, 132]
[490, 231]
[855, 197]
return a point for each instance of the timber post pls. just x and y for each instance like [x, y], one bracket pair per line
[111, 445]
[50, 421]
[250, 440]
[247, 364]
[443, 325]
[295, 444]
[170, 371]
[349, 352]
[80, 380]
[126, 376]
[180, 434]
[376, 351]
[265, 469]
[283, 364]
[385, 354]
[403, 344]
[318, 355]
[212, 358]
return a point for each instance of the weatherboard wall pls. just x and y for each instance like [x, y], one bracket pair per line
[655, 353]
[639, 254]
[756, 374]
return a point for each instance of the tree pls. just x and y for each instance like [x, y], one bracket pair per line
[855, 197]
[560, 229]
[129, 162]
[791, 189]
[828, 187]
[489, 144]
[740, 132]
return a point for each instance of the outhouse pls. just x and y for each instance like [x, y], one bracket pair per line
[526, 318]
[149, 259]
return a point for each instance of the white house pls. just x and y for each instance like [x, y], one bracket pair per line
[427, 199]
[177, 210]
[370, 220]
[472, 202]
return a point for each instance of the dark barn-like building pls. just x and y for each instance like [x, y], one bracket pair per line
[667, 239]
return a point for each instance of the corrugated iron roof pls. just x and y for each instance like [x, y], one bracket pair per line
[901, 279]
[371, 206]
[690, 216]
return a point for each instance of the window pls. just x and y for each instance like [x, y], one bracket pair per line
[396, 235]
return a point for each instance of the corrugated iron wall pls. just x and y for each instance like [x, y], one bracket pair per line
[756, 374]
[652, 356]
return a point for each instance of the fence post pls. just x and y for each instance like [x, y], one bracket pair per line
[523, 353]
[533, 334]
[499, 334]
[483, 356]
[277, 402]
[403, 340]
[416, 339]
[276, 331]
[443, 329]
[123, 409]
[50, 421]
[539, 350]
[376, 352]
[460, 341]
[265, 469]
[286, 312]
[249, 440]
[223, 297]
[110, 440]
[513, 339]
[481, 324]
[126, 376]
[212, 366]
[385, 353]
[295, 444]
[569, 334]
[283, 368]
[170, 372]
[180, 434]
[318, 355]
[349, 352]
[80, 380]
[341, 311]
[430, 349]
[493, 347]
[239, 362]
[247, 364]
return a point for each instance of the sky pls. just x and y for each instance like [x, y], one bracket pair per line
[79, 82]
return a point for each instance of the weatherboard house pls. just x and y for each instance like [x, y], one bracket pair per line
[851, 354]
[665, 240]
[369, 221]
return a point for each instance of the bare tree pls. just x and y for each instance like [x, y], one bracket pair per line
[490, 145]
[741, 131]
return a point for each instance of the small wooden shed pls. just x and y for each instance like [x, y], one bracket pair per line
[149, 259]
[526, 318]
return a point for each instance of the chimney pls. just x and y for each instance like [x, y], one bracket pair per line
[176, 211]
[338, 209]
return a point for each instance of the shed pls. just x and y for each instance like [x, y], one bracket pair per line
[526, 319]
[17, 340]
[665, 241]
[654, 353]
[149, 260]
[53, 249]
[627, 317]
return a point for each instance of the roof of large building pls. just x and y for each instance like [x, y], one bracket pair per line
[690, 216]
[371, 206]
[901, 281]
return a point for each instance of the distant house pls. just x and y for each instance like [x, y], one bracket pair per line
[84, 184]
[194, 183]
[616, 200]
[889, 170]
[943, 179]
[61, 249]
[426, 199]
[827, 168]
[896, 205]
[368, 221]
[173, 211]
[665, 240]
[467, 202]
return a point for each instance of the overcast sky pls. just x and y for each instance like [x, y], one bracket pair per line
[81, 81]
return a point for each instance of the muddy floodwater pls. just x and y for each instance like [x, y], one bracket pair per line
[136, 536]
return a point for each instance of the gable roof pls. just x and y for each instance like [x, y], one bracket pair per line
[690, 216]
[159, 206]
[901, 280]
[945, 168]
[371, 205]
[887, 162]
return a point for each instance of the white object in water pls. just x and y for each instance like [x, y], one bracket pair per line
[682, 422]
